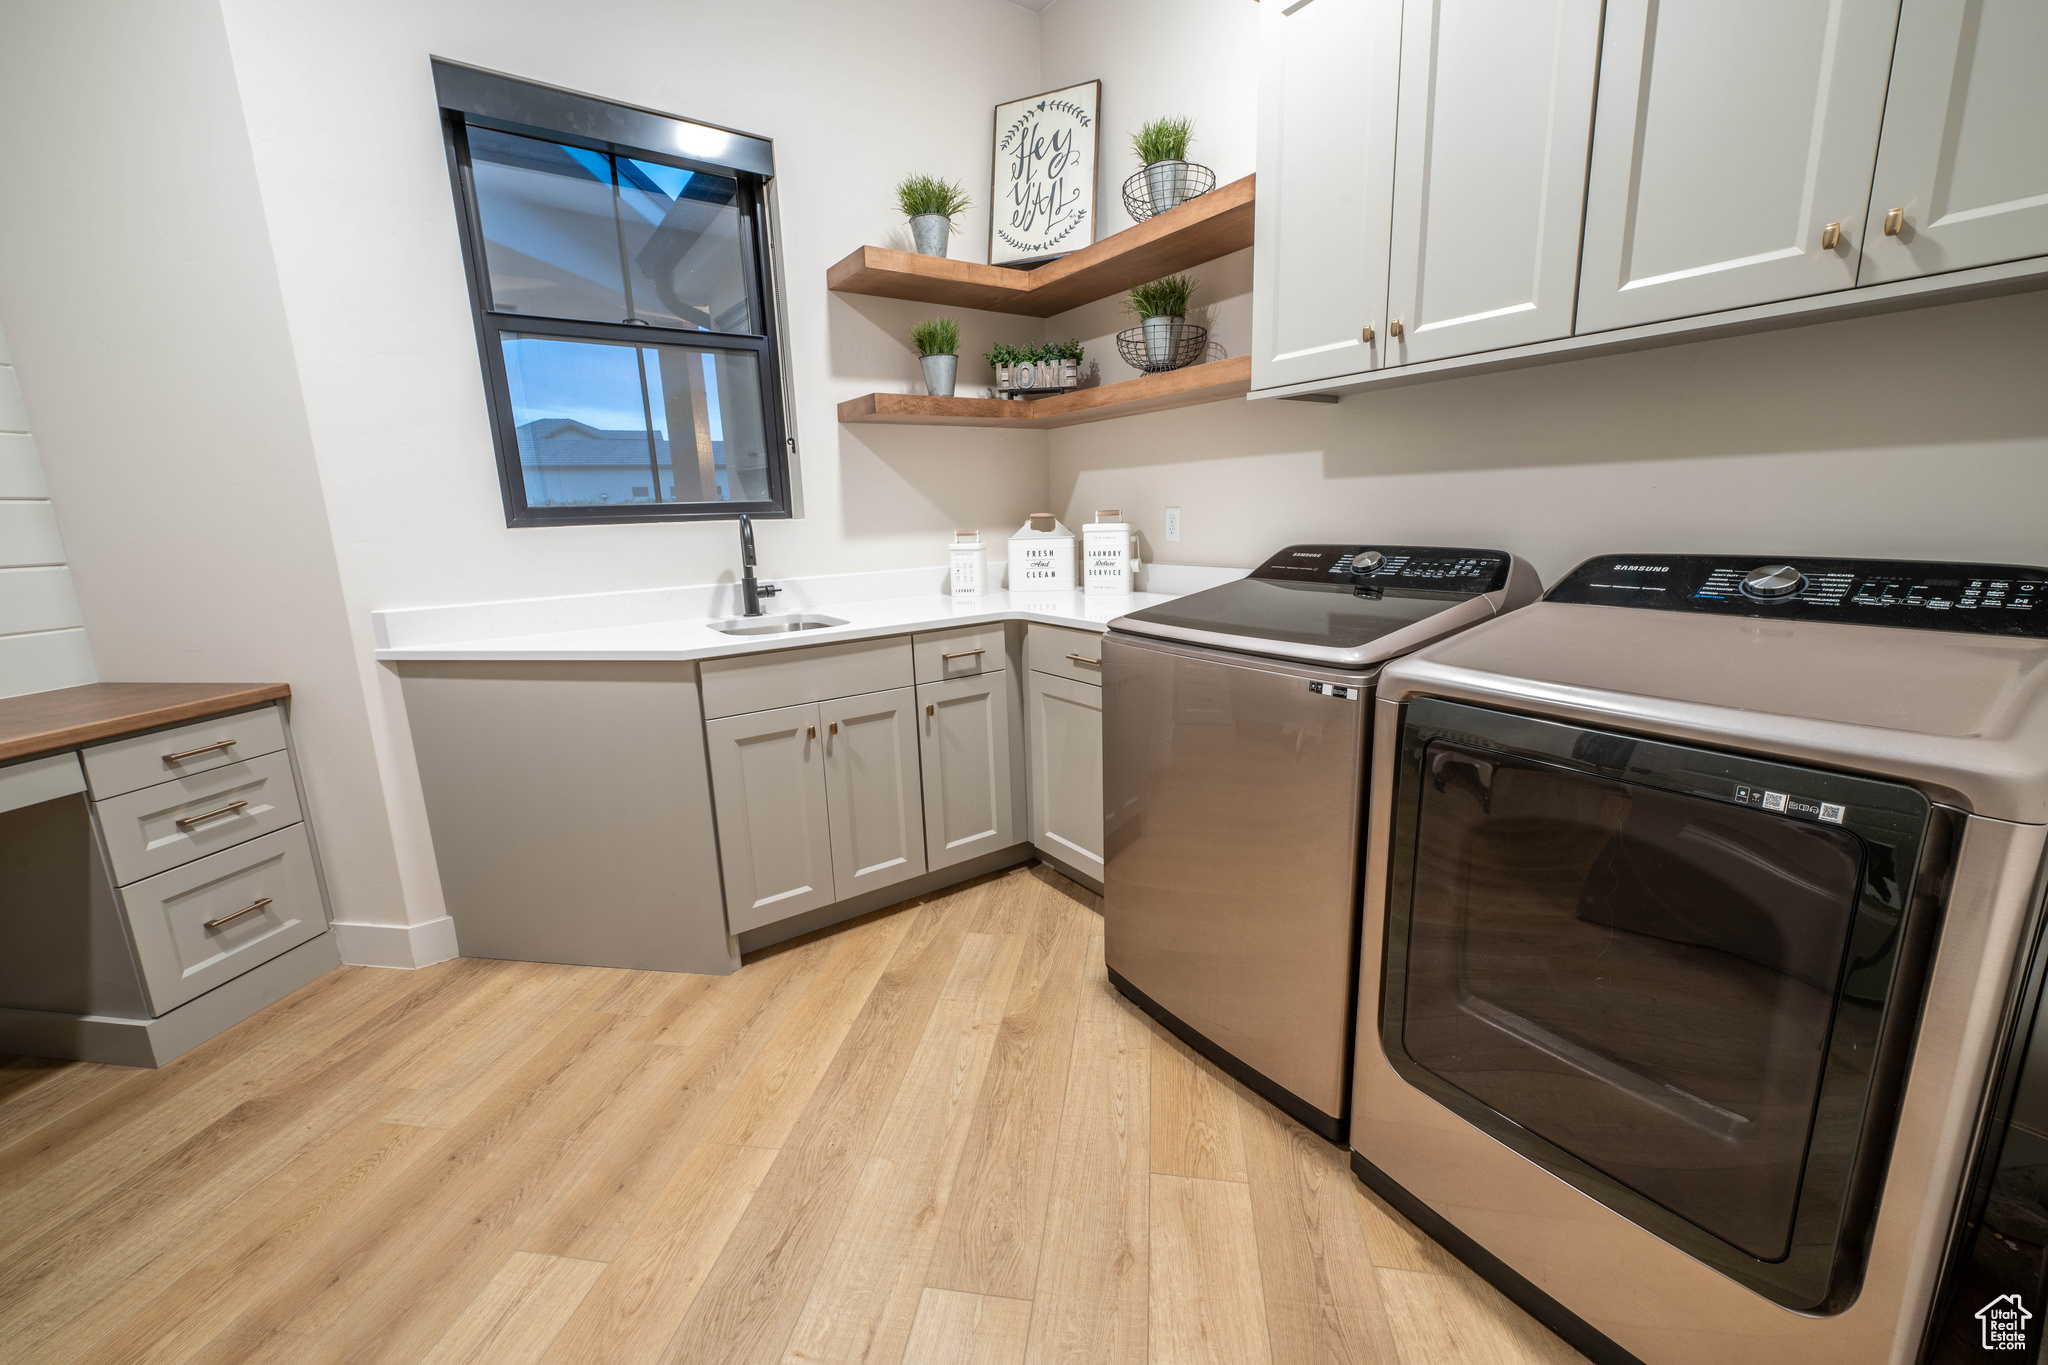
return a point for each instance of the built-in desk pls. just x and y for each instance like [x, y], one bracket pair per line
[159, 881]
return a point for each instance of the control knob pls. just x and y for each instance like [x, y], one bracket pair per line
[1365, 561]
[1773, 581]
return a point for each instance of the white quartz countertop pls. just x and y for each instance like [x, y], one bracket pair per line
[676, 623]
[695, 638]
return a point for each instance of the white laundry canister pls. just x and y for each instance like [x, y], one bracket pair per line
[970, 564]
[1042, 556]
[1109, 554]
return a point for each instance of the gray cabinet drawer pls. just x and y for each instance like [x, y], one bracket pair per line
[1064, 652]
[793, 677]
[159, 827]
[39, 780]
[123, 765]
[958, 653]
[211, 920]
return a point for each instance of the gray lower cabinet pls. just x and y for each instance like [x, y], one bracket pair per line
[872, 790]
[1064, 722]
[774, 830]
[965, 740]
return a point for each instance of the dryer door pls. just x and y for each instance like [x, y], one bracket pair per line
[1661, 973]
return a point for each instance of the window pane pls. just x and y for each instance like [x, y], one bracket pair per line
[551, 235]
[682, 231]
[607, 423]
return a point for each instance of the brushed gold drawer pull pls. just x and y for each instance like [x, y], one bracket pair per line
[229, 809]
[1365, 337]
[813, 732]
[1394, 329]
[931, 710]
[835, 728]
[202, 749]
[963, 654]
[245, 910]
[1830, 236]
[1084, 659]
[1894, 222]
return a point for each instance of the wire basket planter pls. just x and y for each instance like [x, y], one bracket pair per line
[1165, 185]
[1160, 344]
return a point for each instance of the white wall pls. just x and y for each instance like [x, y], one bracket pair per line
[1921, 434]
[42, 630]
[151, 343]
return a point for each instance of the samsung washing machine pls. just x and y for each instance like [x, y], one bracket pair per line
[1698, 956]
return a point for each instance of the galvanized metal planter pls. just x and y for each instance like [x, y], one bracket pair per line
[1165, 185]
[939, 373]
[930, 231]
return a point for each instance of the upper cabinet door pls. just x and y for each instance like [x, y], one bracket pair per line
[1730, 134]
[1327, 84]
[1490, 173]
[1964, 158]
[873, 790]
[774, 837]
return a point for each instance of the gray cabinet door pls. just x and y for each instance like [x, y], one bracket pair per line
[964, 746]
[1730, 134]
[1064, 723]
[1490, 173]
[873, 790]
[1964, 157]
[774, 836]
[1327, 88]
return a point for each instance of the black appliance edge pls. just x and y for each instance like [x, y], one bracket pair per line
[1332, 1130]
[1576, 1332]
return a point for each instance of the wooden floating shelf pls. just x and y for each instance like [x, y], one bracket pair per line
[1210, 225]
[1211, 383]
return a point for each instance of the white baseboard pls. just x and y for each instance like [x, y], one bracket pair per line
[396, 945]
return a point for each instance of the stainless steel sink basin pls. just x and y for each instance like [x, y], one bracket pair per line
[774, 625]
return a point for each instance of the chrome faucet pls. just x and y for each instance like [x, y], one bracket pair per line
[751, 591]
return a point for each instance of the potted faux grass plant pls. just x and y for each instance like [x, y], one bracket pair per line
[1162, 145]
[931, 204]
[938, 354]
[1161, 308]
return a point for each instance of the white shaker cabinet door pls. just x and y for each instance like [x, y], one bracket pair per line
[1730, 135]
[1489, 174]
[1328, 71]
[1065, 724]
[774, 836]
[1964, 156]
[964, 739]
[873, 789]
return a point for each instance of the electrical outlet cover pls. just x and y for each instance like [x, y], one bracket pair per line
[1173, 523]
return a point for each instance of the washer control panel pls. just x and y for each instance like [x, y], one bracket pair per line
[1426, 568]
[1972, 599]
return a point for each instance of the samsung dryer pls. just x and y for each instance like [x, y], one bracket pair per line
[1696, 919]
[1235, 728]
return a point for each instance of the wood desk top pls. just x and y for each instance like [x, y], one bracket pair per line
[45, 722]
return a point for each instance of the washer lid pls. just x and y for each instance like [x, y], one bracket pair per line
[1348, 606]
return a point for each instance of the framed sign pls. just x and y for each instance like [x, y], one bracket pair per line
[1042, 204]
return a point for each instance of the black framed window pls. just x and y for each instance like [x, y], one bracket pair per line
[623, 301]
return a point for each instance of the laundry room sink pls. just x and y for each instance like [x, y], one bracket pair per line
[775, 625]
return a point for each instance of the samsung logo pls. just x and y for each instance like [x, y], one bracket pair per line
[1308, 554]
[1642, 568]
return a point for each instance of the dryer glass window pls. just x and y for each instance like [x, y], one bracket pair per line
[1644, 978]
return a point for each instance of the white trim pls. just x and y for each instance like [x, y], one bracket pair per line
[396, 945]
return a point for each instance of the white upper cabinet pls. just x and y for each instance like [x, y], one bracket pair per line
[1730, 135]
[1964, 156]
[1489, 173]
[1327, 84]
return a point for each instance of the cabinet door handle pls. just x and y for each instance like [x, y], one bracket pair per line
[1084, 659]
[1394, 329]
[813, 732]
[1366, 336]
[931, 710]
[190, 820]
[245, 910]
[1830, 236]
[963, 654]
[1895, 222]
[202, 749]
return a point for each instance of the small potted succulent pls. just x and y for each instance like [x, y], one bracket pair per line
[1047, 368]
[938, 352]
[931, 204]
[1162, 145]
[1161, 308]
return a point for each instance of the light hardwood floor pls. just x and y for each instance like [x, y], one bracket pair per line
[933, 1135]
